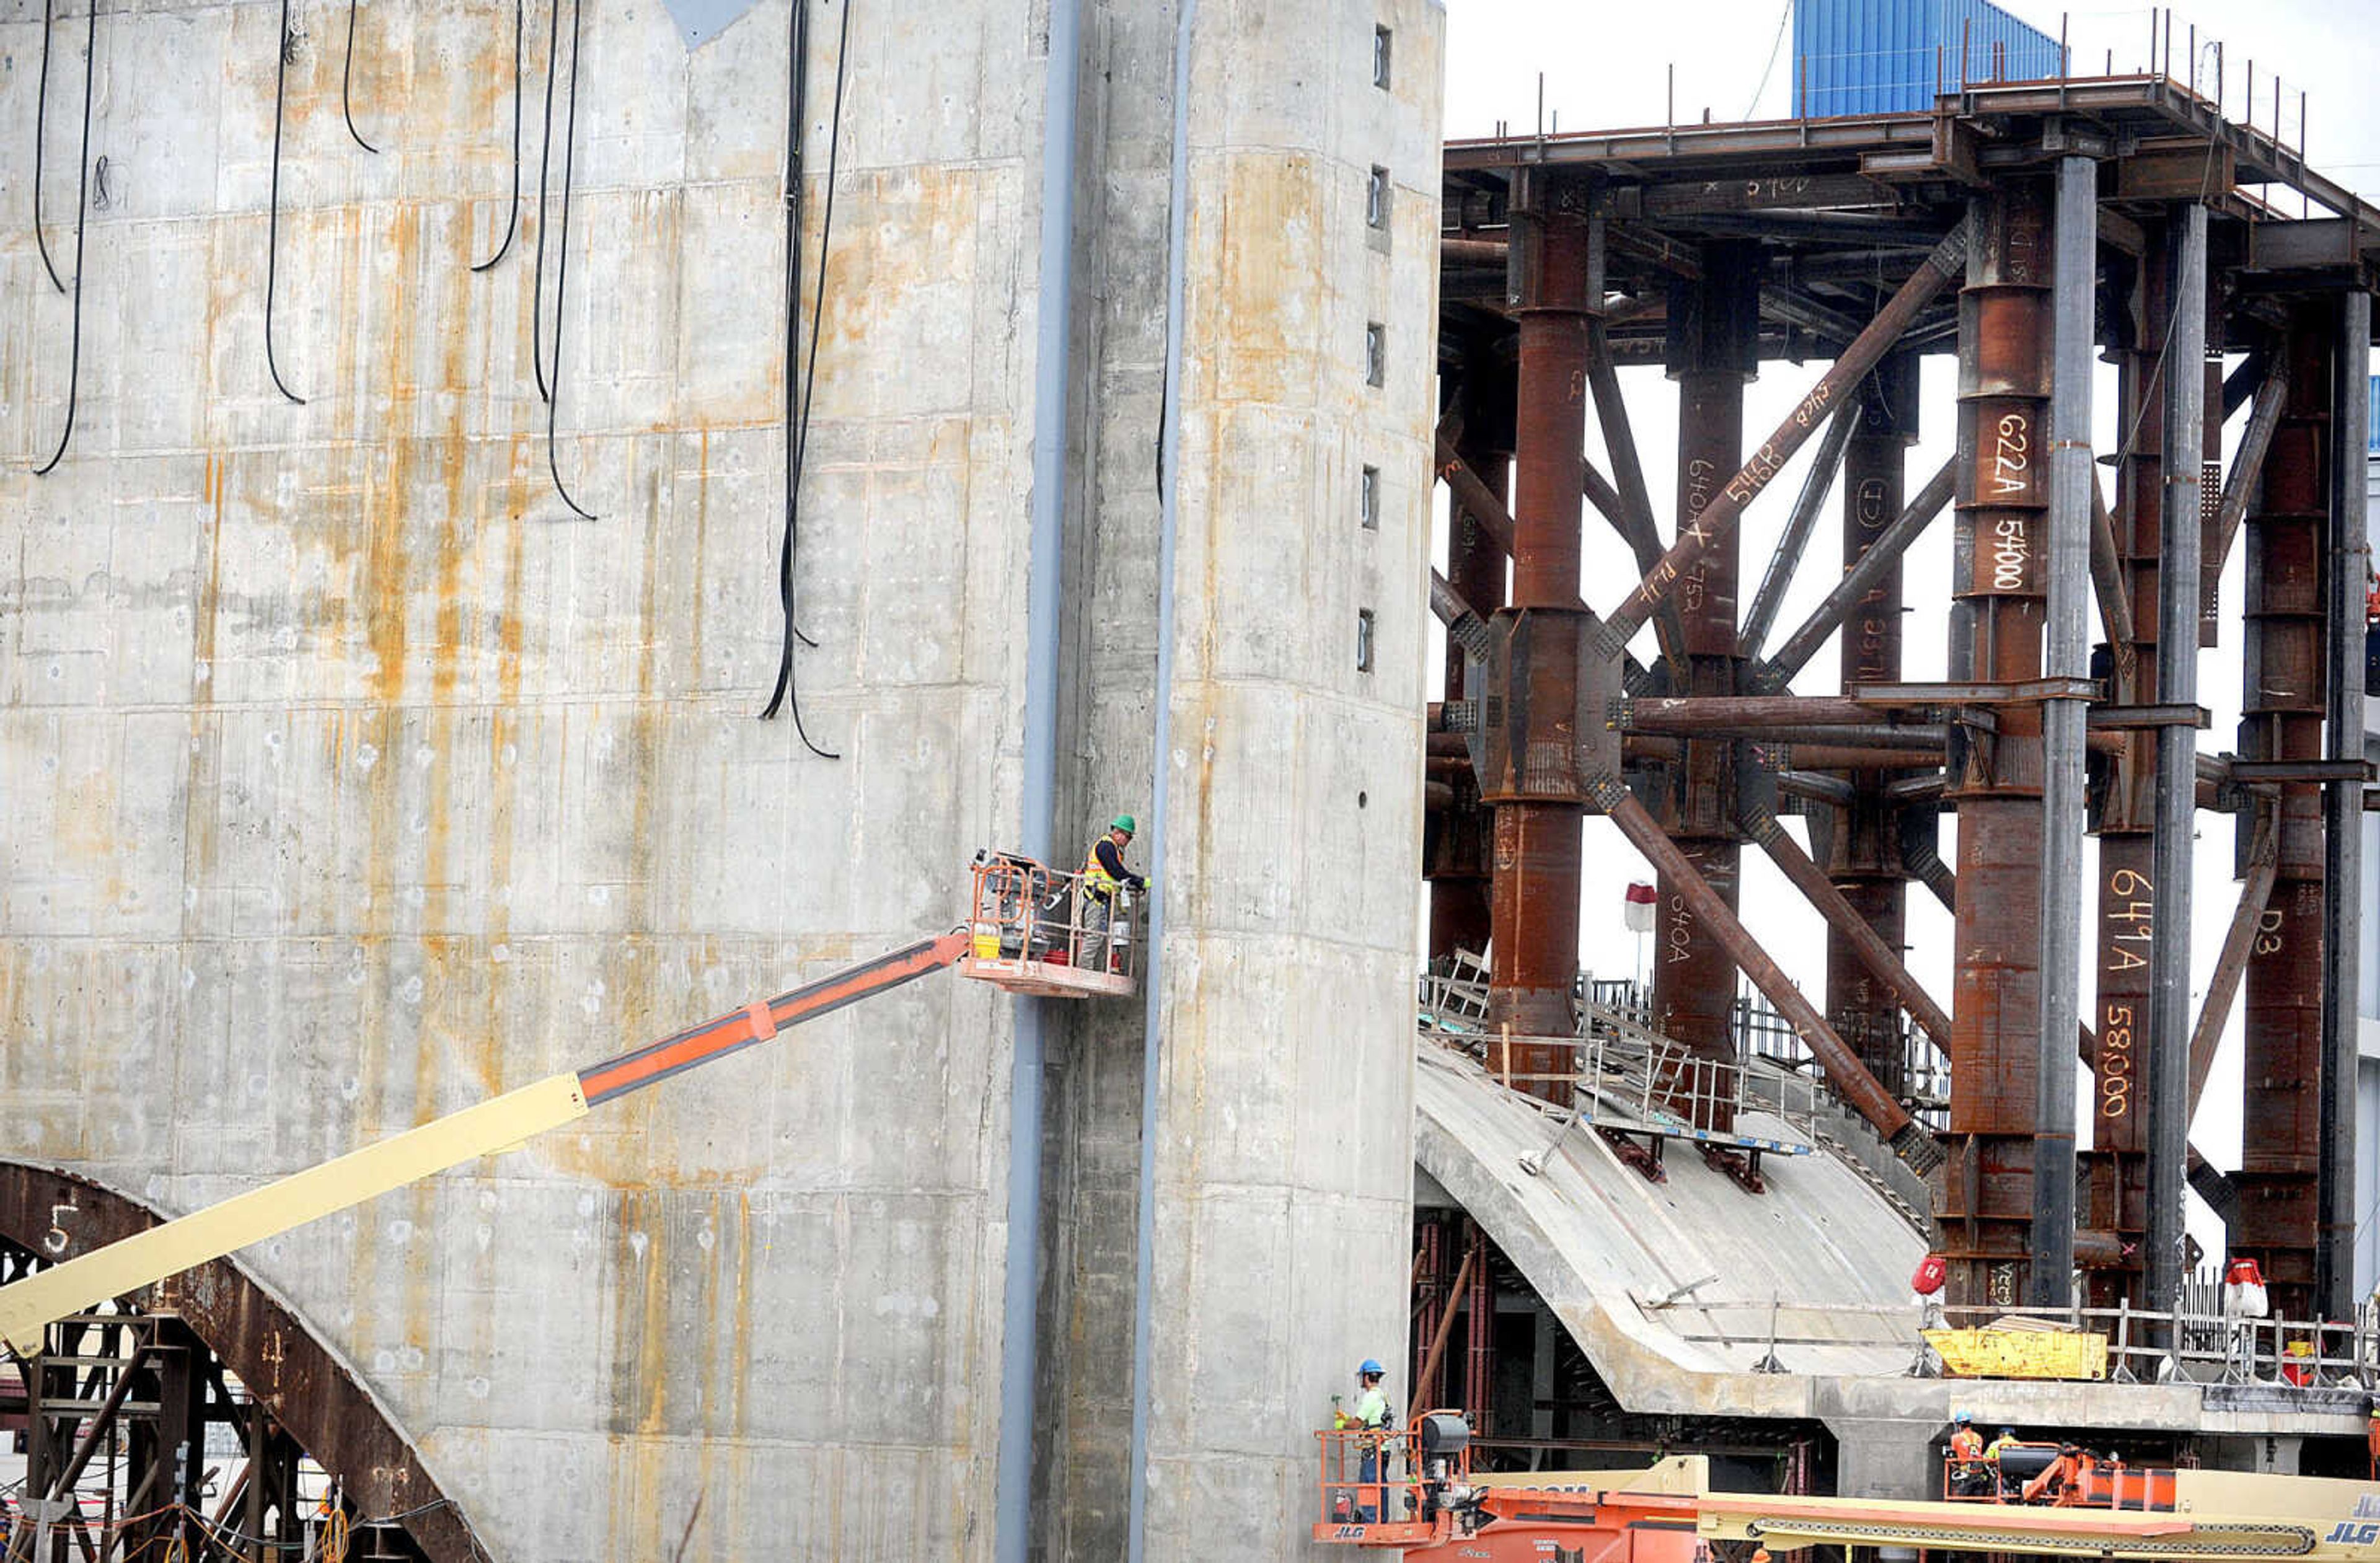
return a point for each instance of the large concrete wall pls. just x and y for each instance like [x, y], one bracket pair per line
[349, 778]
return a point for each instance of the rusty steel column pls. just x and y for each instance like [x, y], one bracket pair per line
[1714, 328]
[2281, 719]
[2116, 1187]
[1534, 964]
[1985, 1219]
[1864, 861]
[1456, 839]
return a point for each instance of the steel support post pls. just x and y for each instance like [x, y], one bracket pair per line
[2282, 709]
[2350, 567]
[1878, 559]
[1533, 960]
[1455, 848]
[1714, 329]
[2177, 764]
[2117, 1182]
[2074, 251]
[1987, 1212]
[1863, 857]
[1816, 484]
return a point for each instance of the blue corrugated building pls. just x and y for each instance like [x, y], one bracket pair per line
[1883, 57]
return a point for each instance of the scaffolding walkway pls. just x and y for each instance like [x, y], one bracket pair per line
[1625, 1078]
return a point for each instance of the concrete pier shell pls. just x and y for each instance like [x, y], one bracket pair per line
[351, 780]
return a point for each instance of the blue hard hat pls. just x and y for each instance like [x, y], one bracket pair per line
[1371, 1364]
[1960, 1416]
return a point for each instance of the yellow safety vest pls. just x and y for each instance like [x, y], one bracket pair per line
[1097, 882]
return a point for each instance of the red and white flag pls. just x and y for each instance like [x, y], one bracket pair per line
[1642, 898]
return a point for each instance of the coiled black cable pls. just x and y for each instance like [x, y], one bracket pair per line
[798, 434]
[82, 207]
[41, 116]
[544, 156]
[512, 211]
[562, 270]
[346, 74]
[286, 46]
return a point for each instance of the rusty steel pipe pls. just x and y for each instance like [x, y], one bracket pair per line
[1940, 267]
[1479, 501]
[1806, 876]
[1699, 713]
[1830, 757]
[1711, 351]
[1851, 1080]
[1994, 1143]
[1536, 857]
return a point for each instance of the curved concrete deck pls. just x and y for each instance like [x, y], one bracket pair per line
[1602, 1247]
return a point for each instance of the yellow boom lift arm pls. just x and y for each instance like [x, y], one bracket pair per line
[28, 1307]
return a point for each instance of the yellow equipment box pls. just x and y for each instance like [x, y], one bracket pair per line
[2019, 1353]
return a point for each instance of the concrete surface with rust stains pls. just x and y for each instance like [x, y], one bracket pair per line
[349, 780]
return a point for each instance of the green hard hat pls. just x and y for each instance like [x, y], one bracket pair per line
[1124, 822]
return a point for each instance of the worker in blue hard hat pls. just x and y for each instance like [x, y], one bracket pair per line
[1969, 1477]
[1104, 874]
[1369, 1417]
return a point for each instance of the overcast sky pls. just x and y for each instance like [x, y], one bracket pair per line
[1608, 65]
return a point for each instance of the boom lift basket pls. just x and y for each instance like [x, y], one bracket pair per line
[1035, 929]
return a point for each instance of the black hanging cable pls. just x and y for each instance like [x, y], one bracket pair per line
[82, 205]
[562, 270]
[786, 693]
[346, 74]
[512, 213]
[544, 156]
[273, 220]
[797, 54]
[41, 116]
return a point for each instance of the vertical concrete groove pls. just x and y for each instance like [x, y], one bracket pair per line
[1177, 228]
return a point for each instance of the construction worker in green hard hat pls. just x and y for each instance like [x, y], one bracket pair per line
[1103, 874]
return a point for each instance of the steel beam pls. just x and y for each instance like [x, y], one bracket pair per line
[2115, 603]
[2247, 469]
[1717, 522]
[2074, 258]
[2239, 942]
[1534, 896]
[1986, 1214]
[1877, 562]
[1882, 960]
[2168, 1075]
[2349, 562]
[1633, 501]
[1761, 617]
[1907, 1138]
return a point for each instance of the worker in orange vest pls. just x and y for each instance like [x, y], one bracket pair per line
[1969, 1476]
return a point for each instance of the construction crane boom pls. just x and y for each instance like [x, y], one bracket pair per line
[28, 1307]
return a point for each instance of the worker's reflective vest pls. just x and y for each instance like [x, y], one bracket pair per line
[1098, 883]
